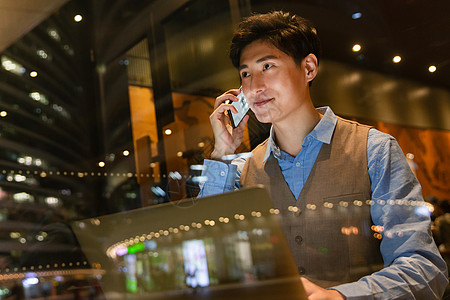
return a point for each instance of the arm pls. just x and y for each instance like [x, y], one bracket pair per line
[220, 176]
[413, 265]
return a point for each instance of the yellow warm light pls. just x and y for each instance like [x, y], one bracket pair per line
[432, 69]
[168, 132]
[101, 164]
[126, 153]
[3, 114]
[33, 74]
[78, 18]
[396, 59]
[356, 48]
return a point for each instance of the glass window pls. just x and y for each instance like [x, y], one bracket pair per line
[104, 130]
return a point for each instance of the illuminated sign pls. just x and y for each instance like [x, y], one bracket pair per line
[136, 248]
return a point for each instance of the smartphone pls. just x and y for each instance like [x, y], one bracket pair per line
[242, 108]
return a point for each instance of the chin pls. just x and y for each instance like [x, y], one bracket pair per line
[263, 119]
[268, 114]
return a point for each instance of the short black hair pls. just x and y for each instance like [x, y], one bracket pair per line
[294, 35]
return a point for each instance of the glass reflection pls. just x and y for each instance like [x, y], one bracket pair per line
[89, 136]
[196, 243]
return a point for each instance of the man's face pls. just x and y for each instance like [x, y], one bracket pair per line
[274, 85]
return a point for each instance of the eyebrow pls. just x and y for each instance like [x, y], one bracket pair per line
[260, 60]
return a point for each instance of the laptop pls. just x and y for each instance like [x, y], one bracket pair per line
[227, 246]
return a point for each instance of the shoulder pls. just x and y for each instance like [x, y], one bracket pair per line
[379, 141]
[375, 134]
[384, 152]
[347, 122]
[351, 131]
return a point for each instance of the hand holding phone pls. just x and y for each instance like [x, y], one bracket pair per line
[226, 141]
[242, 107]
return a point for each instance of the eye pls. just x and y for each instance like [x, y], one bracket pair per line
[267, 66]
[245, 74]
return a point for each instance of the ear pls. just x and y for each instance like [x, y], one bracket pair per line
[310, 66]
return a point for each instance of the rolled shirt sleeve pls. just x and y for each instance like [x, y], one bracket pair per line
[219, 177]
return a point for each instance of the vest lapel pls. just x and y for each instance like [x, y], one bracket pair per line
[277, 182]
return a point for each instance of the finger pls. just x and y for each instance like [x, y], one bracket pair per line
[219, 119]
[239, 130]
[228, 95]
[221, 110]
[310, 287]
[233, 91]
[225, 99]
[244, 122]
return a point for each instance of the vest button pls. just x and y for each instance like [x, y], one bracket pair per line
[301, 270]
[298, 239]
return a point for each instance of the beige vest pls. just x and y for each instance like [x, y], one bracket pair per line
[329, 228]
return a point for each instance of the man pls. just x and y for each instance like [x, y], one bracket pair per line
[336, 175]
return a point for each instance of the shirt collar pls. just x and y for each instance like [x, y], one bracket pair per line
[323, 132]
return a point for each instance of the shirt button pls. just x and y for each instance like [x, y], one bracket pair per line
[298, 164]
[298, 239]
[301, 270]
[222, 173]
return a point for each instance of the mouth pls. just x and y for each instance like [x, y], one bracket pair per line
[261, 102]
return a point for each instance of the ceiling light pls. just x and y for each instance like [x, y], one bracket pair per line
[42, 53]
[33, 74]
[168, 132]
[356, 15]
[396, 59]
[54, 34]
[356, 48]
[52, 201]
[78, 18]
[3, 114]
[12, 66]
[101, 164]
[432, 69]
[126, 153]
[39, 97]
[14, 235]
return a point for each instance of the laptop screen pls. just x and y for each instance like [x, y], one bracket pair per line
[228, 245]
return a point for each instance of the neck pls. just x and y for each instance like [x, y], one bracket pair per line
[291, 132]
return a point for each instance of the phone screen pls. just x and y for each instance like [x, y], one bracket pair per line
[242, 108]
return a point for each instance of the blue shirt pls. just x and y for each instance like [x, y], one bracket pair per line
[413, 265]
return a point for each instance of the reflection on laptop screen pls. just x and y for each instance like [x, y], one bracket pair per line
[227, 245]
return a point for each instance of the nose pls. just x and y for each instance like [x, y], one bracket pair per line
[256, 84]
